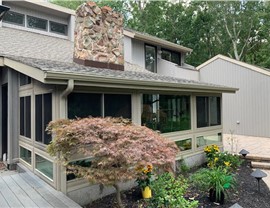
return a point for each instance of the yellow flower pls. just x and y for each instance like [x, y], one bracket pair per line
[145, 171]
[227, 163]
[216, 159]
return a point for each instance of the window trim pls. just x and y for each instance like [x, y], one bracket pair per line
[66, 30]
[145, 45]
[36, 28]
[171, 51]
[13, 23]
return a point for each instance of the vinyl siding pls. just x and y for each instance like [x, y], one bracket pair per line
[250, 105]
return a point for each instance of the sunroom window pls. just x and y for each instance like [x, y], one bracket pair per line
[43, 117]
[25, 116]
[208, 111]
[166, 113]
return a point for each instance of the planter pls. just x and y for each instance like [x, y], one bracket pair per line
[212, 197]
[147, 192]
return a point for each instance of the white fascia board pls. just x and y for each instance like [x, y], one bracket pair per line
[32, 72]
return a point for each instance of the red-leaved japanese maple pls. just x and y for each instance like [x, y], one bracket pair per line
[116, 145]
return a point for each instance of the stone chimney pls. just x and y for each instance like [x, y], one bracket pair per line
[98, 37]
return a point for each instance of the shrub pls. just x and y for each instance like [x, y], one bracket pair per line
[228, 161]
[169, 192]
[215, 178]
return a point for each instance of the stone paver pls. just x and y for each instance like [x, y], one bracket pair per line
[259, 146]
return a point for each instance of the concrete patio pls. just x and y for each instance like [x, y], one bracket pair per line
[259, 146]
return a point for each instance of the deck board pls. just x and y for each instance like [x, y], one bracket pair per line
[9, 196]
[35, 196]
[25, 200]
[27, 190]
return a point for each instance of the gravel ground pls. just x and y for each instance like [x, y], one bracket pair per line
[246, 195]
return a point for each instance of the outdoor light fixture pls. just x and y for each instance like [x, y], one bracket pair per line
[3, 11]
[244, 152]
[258, 174]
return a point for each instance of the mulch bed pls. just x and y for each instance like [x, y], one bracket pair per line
[246, 195]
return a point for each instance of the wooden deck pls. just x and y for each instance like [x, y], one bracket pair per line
[27, 190]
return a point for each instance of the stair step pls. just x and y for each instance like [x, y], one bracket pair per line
[262, 165]
[258, 158]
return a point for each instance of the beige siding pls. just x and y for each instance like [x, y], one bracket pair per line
[250, 106]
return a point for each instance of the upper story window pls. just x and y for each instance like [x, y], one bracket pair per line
[37, 23]
[14, 18]
[208, 111]
[24, 80]
[58, 28]
[151, 58]
[171, 56]
[166, 113]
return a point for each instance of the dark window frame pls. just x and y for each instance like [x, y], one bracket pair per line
[24, 80]
[208, 119]
[172, 52]
[155, 58]
[25, 120]
[14, 23]
[41, 135]
[59, 33]
[37, 28]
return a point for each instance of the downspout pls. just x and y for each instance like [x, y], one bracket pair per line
[69, 89]
[61, 176]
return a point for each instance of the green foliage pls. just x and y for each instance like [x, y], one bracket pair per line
[169, 192]
[226, 160]
[215, 178]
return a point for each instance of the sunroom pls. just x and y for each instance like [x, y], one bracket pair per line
[188, 112]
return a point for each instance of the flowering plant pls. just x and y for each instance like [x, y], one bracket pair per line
[145, 176]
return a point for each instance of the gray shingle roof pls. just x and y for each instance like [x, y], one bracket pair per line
[64, 67]
[16, 42]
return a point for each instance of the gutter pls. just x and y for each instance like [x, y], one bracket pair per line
[99, 81]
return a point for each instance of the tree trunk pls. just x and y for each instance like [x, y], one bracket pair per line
[118, 195]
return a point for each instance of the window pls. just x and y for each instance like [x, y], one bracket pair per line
[82, 163]
[166, 113]
[37, 23]
[208, 111]
[171, 56]
[83, 105]
[25, 116]
[151, 58]
[24, 80]
[185, 144]
[44, 166]
[58, 28]
[43, 117]
[206, 140]
[14, 18]
[25, 155]
[116, 105]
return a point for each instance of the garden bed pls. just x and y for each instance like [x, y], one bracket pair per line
[246, 195]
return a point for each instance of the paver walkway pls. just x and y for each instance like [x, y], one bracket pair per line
[27, 190]
[255, 145]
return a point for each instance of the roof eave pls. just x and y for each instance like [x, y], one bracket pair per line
[157, 41]
[111, 82]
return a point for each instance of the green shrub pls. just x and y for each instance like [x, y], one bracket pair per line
[169, 191]
[228, 161]
[216, 178]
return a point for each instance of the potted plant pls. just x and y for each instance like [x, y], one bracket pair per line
[144, 180]
[215, 180]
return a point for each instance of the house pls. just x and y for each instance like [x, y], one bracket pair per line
[247, 112]
[109, 72]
